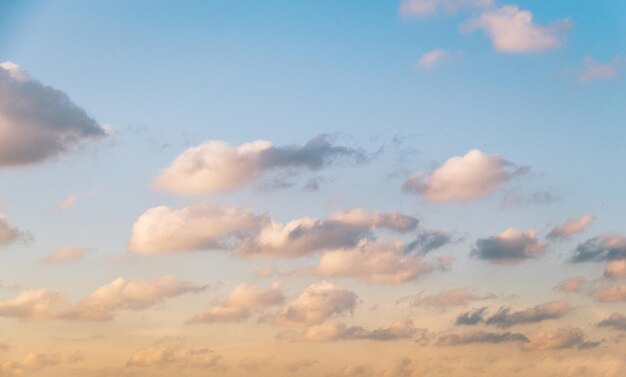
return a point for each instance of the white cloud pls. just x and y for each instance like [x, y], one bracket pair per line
[216, 167]
[241, 303]
[509, 247]
[430, 7]
[315, 304]
[333, 331]
[432, 58]
[172, 354]
[594, 70]
[463, 178]
[199, 226]
[38, 122]
[571, 226]
[376, 262]
[66, 254]
[512, 30]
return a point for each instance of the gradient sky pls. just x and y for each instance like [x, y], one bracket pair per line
[323, 188]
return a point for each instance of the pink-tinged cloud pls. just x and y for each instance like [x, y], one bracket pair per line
[432, 58]
[315, 304]
[505, 317]
[66, 254]
[571, 227]
[594, 70]
[463, 178]
[449, 298]
[430, 7]
[37, 361]
[34, 304]
[566, 338]
[510, 246]
[8, 232]
[38, 122]
[68, 202]
[604, 247]
[241, 303]
[571, 285]
[172, 354]
[615, 269]
[512, 30]
[615, 293]
[376, 262]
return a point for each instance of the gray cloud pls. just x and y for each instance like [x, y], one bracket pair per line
[429, 240]
[505, 317]
[472, 317]
[601, 248]
[480, 337]
[615, 321]
[38, 122]
[508, 247]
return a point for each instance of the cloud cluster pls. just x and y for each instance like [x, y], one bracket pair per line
[432, 58]
[605, 247]
[506, 318]
[66, 254]
[449, 298]
[571, 285]
[38, 122]
[241, 303]
[513, 30]
[166, 354]
[334, 331]
[463, 178]
[613, 293]
[447, 340]
[570, 227]
[36, 361]
[565, 338]
[34, 304]
[216, 166]
[615, 269]
[315, 304]
[509, 247]
[615, 321]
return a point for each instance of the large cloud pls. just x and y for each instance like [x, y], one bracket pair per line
[463, 178]
[570, 227]
[241, 303]
[199, 226]
[376, 262]
[430, 7]
[333, 331]
[509, 247]
[215, 166]
[38, 122]
[609, 246]
[512, 30]
[506, 318]
[315, 304]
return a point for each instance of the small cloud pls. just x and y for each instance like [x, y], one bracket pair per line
[8, 232]
[430, 7]
[480, 337]
[594, 70]
[449, 298]
[615, 269]
[570, 227]
[506, 318]
[433, 58]
[173, 354]
[66, 254]
[566, 338]
[68, 202]
[510, 246]
[605, 247]
[615, 293]
[615, 321]
[333, 331]
[571, 285]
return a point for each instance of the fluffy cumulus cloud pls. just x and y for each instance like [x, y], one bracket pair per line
[38, 122]
[614, 293]
[241, 304]
[121, 294]
[333, 331]
[509, 247]
[37, 361]
[571, 285]
[463, 178]
[615, 269]
[308, 235]
[165, 354]
[376, 262]
[570, 227]
[505, 317]
[615, 321]
[449, 298]
[8, 232]
[594, 70]
[447, 340]
[430, 7]
[605, 247]
[315, 304]
[433, 58]
[66, 254]
[565, 338]
[216, 166]
[199, 226]
[34, 304]
[512, 30]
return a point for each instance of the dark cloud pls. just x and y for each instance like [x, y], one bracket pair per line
[509, 246]
[470, 318]
[480, 337]
[599, 249]
[615, 321]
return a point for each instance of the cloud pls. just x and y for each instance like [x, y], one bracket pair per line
[570, 227]
[613, 293]
[432, 58]
[38, 122]
[36, 361]
[571, 285]
[605, 247]
[512, 30]
[430, 240]
[615, 321]
[594, 70]
[448, 340]
[8, 233]
[241, 303]
[199, 226]
[68, 202]
[34, 304]
[509, 247]
[375, 262]
[315, 304]
[506, 318]
[216, 167]
[334, 331]
[66, 254]
[167, 354]
[352, 371]
[308, 235]
[615, 269]
[463, 178]
[449, 298]
[566, 338]
[430, 7]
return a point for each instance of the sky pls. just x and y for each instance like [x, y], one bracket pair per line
[396, 188]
